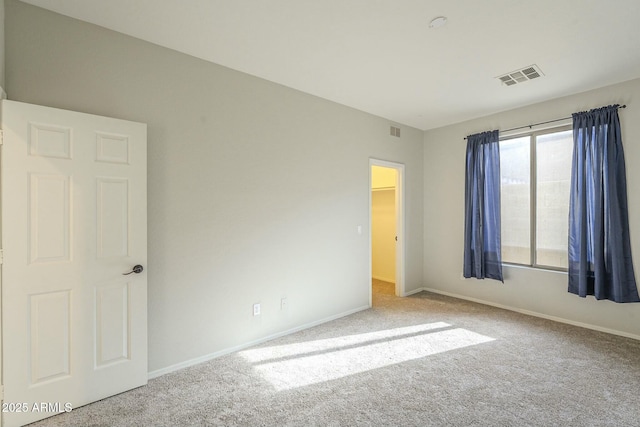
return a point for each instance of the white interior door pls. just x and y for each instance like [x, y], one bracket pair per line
[74, 212]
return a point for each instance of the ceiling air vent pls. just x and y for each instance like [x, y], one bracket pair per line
[520, 76]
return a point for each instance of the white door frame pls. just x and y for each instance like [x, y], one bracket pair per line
[400, 220]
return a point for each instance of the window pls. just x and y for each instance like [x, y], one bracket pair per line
[535, 176]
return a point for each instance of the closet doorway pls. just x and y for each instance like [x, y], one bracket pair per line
[387, 227]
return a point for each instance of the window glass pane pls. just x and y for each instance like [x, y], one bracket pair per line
[515, 178]
[554, 152]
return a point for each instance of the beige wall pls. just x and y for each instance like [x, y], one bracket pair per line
[382, 177]
[255, 190]
[383, 233]
[542, 292]
[383, 223]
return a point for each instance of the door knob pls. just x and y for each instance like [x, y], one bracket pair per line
[136, 269]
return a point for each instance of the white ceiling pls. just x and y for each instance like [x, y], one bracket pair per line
[380, 56]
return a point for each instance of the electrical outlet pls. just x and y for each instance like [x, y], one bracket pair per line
[256, 309]
[284, 303]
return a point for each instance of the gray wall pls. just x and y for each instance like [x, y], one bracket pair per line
[529, 290]
[255, 190]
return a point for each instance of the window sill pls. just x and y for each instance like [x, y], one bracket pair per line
[535, 268]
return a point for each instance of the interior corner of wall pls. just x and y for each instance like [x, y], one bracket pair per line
[3, 94]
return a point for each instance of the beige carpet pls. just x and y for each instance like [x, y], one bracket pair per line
[424, 360]
[382, 288]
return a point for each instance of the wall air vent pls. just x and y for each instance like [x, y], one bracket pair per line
[520, 76]
[394, 131]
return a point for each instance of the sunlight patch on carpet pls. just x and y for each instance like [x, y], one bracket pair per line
[301, 364]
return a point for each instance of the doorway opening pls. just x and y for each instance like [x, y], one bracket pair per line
[386, 234]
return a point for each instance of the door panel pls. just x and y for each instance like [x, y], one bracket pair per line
[50, 218]
[73, 221]
[112, 324]
[49, 350]
[48, 140]
[113, 217]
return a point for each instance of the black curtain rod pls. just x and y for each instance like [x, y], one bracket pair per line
[544, 123]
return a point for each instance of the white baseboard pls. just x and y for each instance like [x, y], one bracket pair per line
[415, 291]
[384, 279]
[534, 313]
[207, 357]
